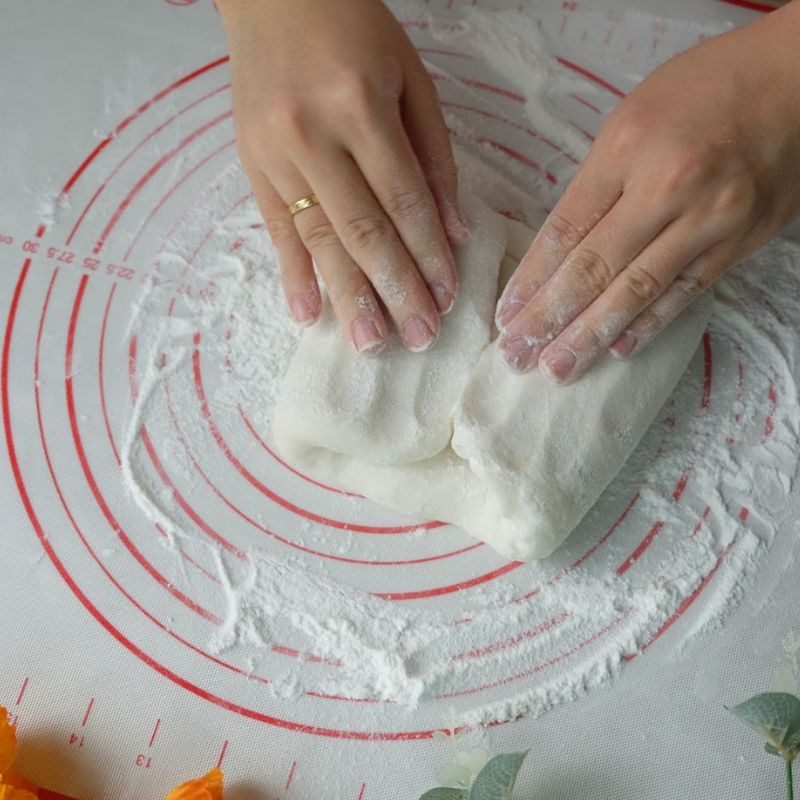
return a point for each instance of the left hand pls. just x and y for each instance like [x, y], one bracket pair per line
[696, 169]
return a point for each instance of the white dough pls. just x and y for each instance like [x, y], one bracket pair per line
[453, 434]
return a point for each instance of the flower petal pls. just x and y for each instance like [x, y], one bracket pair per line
[455, 776]
[18, 782]
[474, 760]
[8, 741]
[209, 787]
[8, 792]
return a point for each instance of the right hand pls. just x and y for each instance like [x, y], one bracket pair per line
[331, 98]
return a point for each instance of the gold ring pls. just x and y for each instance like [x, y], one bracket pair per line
[303, 203]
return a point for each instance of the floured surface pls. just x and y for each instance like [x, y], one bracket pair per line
[234, 627]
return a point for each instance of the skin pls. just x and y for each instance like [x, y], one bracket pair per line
[331, 98]
[696, 169]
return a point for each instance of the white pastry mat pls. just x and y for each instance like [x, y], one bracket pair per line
[124, 110]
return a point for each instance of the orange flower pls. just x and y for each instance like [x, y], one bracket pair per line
[12, 793]
[12, 786]
[8, 741]
[15, 781]
[209, 787]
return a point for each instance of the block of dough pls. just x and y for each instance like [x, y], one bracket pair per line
[453, 434]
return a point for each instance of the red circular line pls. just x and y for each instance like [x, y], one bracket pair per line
[265, 490]
[289, 467]
[577, 68]
[73, 179]
[586, 103]
[162, 473]
[87, 546]
[534, 134]
[258, 526]
[115, 526]
[101, 372]
[43, 537]
[769, 423]
[687, 601]
[174, 188]
[131, 153]
[638, 551]
[422, 594]
[137, 187]
[267, 531]
[539, 667]
[5, 368]
[547, 625]
[749, 4]
[517, 156]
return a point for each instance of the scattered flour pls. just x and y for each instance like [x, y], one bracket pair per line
[559, 627]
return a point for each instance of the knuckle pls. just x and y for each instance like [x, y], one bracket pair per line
[587, 338]
[365, 233]
[737, 199]
[281, 230]
[691, 283]
[643, 285]
[354, 90]
[408, 203]
[562, 232]
[319, 235]
[285, 114]
[591, 269]
[626, 130]
[688, 166]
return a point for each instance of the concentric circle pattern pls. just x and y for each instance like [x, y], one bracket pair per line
[121, 331]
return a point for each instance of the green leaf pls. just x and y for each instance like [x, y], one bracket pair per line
[443, 793]
[771, 750]
[774, 715]
[496, 780]
[792, 743]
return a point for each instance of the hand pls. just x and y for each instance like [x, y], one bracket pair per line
[330, 98]
[695, 170]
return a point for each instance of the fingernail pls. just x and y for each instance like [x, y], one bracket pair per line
[506, 311]
[301, 310]
[558, 366]
[443, 296]
[417, 334]
[624, 345]
[366, 337]
[516, 352]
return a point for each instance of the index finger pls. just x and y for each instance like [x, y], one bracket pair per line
[590, 195]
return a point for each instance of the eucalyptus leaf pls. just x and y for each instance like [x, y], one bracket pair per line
[496, 780]
[443, 793]
[774, 715]
[792, 743]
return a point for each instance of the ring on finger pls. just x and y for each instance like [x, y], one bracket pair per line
[303, 203]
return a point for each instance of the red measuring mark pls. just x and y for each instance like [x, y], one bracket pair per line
[155, 733]
[22, 690]
[222, 753]
[290, 777]
[362, 792]
[88, 712]
[568, 8]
